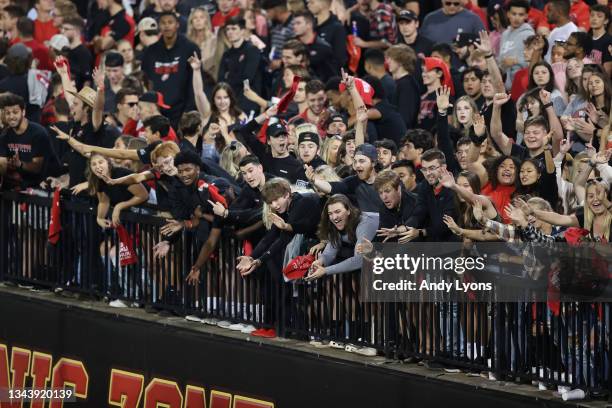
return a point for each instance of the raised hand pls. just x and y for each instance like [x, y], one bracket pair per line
[443, 98]
[516, 214]
[525, 208]
[446, 178]
[278, 221]
[500, 99]
[480, 128]
[195, 62]
[61, 65]
[545, 96]
[98, 78]
[485, 43]
[310, 173]
[565, 146]
[347, 79]
[272, 111]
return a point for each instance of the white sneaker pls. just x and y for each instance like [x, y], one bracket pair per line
[248, 329]
[366, 351]
[118, 303]
[193, 318]
[237, 327]
[210, 320]
[224, 324]
[135, 305]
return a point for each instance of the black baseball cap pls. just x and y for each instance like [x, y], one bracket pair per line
[407, 15]
[335, 117]
[276, 129]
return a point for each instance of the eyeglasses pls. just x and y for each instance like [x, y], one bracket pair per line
[452, 3]
[595, 180]
[426, 170]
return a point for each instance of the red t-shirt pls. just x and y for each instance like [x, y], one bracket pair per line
[39, 52]
[536, 18]
[520, 83]
[43, 31]
[500, 197]
[579, 15]
[218, 19]
[320, 127]
[479, 12]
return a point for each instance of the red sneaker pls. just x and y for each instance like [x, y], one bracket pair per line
[259, 333]
[269, 334]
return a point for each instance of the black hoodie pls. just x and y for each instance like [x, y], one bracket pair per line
[171, 74]
[332, 31]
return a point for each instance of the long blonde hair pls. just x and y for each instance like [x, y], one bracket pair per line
[455, 121]
[230, 157]
[191, 33]
[589, 217]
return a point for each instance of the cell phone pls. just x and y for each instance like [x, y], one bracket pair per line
[246, 83]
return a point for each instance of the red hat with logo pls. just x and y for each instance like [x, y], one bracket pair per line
[432, 63]
[298, 267]
[365, 90]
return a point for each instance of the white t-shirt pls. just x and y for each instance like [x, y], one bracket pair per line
[561, 33]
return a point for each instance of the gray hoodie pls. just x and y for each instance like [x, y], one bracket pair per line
[512, 45]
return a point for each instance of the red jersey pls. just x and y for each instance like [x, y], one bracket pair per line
[520, 83]
[43, 31]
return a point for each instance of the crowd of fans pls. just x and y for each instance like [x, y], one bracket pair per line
[315, 127]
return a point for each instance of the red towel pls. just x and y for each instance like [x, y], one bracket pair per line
[55, 225]
[127, 255]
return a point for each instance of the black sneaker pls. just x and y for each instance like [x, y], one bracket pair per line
[433, 365]
[152, 309]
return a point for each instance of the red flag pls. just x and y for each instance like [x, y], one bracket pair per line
[55, 225]
[247, 247]
[354, 53]
[282, 105]
[127, 255]
[213, 191]
[288, 97]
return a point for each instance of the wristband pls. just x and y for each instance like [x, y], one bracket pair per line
[547, 105]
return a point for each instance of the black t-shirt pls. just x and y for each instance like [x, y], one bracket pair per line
[31, 144]
[77, 164]
[389, 86]
[322, 59]
[428, 111]
[508, 117]
[117, 193]
[404, 215]
[390, 125]
[407, 99]
[422, 45]
[165, 187]
[600, 53]
[362, 194]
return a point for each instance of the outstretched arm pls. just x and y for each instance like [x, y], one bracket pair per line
[503, 141]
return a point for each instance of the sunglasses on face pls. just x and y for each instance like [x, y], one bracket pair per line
[452, 3]
[132, 104]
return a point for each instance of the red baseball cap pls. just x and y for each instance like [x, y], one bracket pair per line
[298, 267]
[154, 97]
[365, 90]
[432, 63]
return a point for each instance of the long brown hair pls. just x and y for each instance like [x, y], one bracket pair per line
[93, 180]
[234, 110]
[329, 232]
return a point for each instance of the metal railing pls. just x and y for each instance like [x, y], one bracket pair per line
[514, 341]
